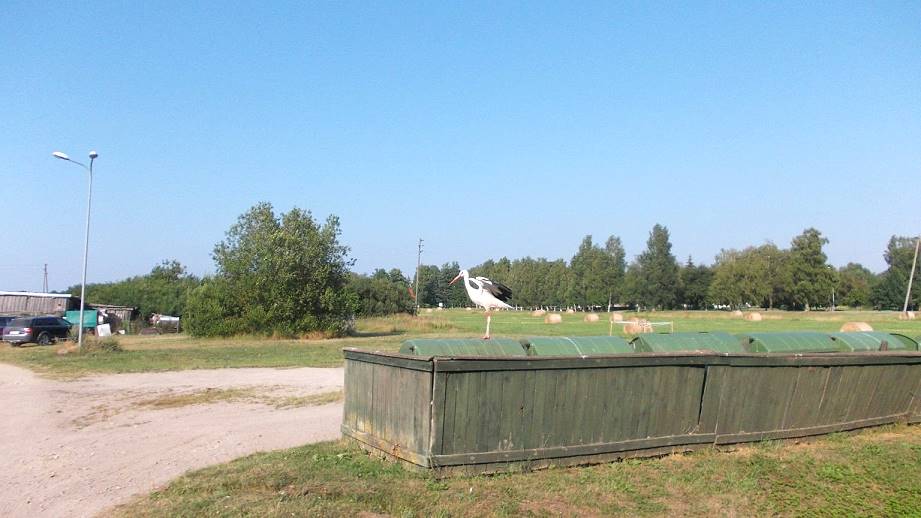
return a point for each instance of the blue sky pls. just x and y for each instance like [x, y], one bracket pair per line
[489, 129]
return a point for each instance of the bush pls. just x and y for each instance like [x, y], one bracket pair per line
[278, 276]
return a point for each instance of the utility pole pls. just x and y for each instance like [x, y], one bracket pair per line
[911, 277]
[418, 265]
[45, 280]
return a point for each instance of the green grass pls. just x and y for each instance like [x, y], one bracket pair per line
[873, 473]
[178, 352]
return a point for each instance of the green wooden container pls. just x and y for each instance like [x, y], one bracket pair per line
[871, 341]
[790, 342]
[462, 347]
[677, 342]
[575, 345]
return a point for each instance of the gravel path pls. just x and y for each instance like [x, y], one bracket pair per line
[76, 448]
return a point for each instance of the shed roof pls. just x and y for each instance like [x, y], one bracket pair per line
[789, 342]
[872, 340]
[575, 345]
[676, 342]
[462, 347]
[34, 294]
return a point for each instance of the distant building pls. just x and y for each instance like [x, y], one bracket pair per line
[28, 303]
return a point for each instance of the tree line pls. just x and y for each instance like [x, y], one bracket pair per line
[288, 275]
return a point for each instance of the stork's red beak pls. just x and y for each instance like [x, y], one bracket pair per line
[454, 279]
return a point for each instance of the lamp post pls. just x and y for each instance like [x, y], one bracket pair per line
[86, 241]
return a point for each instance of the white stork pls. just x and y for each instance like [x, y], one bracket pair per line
[486, 293]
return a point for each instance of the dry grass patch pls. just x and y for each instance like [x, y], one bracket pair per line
[201, 397]
[253, 395]
[323, 398]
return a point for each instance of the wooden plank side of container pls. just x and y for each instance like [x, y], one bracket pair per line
[511, 433]
[467, 415]
[612, 389]
[830, 401]
[711, 398]
[914, 405]
[358, 393]
[542, 390]
[893, 393]
[439, 412]
[854, 380]
[599, 398]
[872, 390]
[806, 400]
[420, 386]
[735, 392]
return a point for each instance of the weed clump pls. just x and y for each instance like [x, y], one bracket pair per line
[108, 344]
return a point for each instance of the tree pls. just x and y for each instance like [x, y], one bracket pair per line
[695, 284]
[277, 275]
[889, 292]
[811, 278]
[381, 293]
[854, 283]
[656, 273]
[590, 270]
[615, 265]
[164, 290]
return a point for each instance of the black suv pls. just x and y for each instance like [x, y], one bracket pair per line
[41, 330]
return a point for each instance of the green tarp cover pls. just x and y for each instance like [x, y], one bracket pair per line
[793, 342]
[90, 317]
[462, 347]
[676, 342]
[871, 341]
[575, 345]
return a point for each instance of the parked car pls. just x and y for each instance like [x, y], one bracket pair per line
[4, 321]
[41, 330]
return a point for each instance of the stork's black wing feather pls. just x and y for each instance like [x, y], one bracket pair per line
[498, 290]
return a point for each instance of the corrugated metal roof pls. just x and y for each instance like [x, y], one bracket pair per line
[575, 346]
[789, 342]
[462, 347]
[33, 294]
[872, 340]
[676, 342]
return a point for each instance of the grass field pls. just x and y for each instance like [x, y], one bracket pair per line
[178, 352]
[873, 473]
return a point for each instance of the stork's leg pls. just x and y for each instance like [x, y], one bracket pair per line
[488, 320]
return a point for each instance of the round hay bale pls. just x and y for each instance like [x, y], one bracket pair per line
[469, 309]
[753, 316]
[538, 313]
[737, 313]
[570, 311]
[591, 317]
[851, 327]
[553, 318]
[617, 317]
[428, 310]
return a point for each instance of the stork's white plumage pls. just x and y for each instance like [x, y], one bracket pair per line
[485, 293]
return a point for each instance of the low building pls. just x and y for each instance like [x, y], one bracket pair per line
[119, 317]
[28, 303]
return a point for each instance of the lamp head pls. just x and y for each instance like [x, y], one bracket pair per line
[93, 155]
[62, 156]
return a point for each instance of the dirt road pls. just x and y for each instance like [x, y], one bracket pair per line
[76, 448]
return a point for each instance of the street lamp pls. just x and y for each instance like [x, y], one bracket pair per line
[86, 242]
